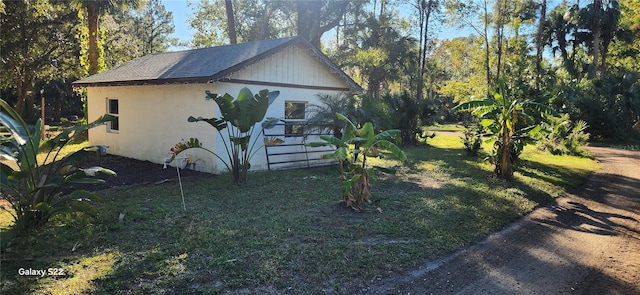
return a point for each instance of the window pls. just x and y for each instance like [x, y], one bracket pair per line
[294, 117]
[112, 109]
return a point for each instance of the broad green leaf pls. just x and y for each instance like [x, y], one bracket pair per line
[14, 123]
[394, 149]
[258, 109]
[270, 123]
[367, 133]
[350, 129]
[487, 122]
[228, 109]
[473, 104]
[387, 134]
[219, 124]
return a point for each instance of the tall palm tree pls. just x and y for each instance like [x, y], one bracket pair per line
[94, 9]
[601, 19]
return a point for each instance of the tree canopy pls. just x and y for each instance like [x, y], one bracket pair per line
[584, 54]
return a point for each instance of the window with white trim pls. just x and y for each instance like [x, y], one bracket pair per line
[113, 109]
[294, 117]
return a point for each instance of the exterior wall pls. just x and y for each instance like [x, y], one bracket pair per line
[293, 65]
[153, 118]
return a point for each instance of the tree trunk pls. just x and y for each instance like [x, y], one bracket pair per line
[487, 68]
[59, 98]
[231, 22]
[597, 5]
[92, 21]
[500, 23]
[427, 6]
[539, 45]
[308, 21]
[506, 167]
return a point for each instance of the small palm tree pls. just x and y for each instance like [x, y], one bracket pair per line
[356, 177]
[509, 120]
[323, 116]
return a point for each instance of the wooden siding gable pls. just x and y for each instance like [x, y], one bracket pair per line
[294, 66]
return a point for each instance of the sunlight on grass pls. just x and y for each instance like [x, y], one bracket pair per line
[79, 275]
[67, 149]
[445, 127]
[446, 142]
[286, 232]
[6, 220]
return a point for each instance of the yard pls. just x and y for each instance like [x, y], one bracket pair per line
[284, 232]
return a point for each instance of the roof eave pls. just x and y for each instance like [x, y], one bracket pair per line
[191, 80]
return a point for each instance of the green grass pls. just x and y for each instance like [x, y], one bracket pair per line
[285, 231]
[445, 127]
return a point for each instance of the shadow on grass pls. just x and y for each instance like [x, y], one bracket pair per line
[284, 230]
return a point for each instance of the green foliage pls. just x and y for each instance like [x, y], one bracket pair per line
[472, 139]
[356, 177]
[254, 20]
[407, 113]
[239, 117]
[610, 106]
[564, 137]
[34, 190]
[322, 116]
[511, 121]
[37, 41]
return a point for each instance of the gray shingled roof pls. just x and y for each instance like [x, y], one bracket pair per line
[200, 65]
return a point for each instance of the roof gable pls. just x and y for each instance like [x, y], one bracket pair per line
[202, 65]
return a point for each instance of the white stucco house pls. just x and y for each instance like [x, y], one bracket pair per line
[153, 96]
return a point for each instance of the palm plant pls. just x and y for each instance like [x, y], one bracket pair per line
[35, 190]
[510, 122]
[239, 117]
[322, 116]
[356, 177]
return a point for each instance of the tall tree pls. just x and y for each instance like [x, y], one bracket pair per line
[314, 18]
[425, 9]
[468, 14]
[231, 22]
[36, 38]
[539, 41]
[94, 9]
[559, 27]
[154, 27]
[253, 19]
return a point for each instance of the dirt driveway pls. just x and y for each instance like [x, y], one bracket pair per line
[587, 242]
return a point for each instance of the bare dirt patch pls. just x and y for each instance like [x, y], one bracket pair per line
[132, 172]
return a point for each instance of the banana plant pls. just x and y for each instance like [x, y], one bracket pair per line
[355, 176]
[34, 189]
[511, 121]
[239, 116]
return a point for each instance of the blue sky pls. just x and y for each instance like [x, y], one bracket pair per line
[180, 16]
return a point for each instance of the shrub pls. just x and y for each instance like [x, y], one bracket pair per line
[565, 137]
[239, 117]
[472, 139]
[356, 177]
[33, 189]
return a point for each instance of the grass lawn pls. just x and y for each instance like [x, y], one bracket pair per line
[285, 231]
[451, 127]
